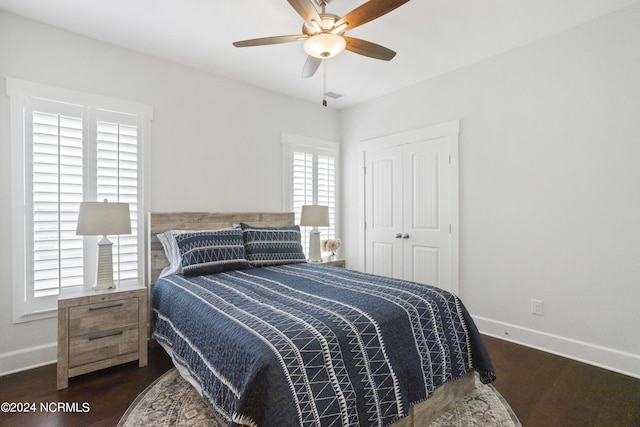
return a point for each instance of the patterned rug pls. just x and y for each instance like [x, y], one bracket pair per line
[170, 401]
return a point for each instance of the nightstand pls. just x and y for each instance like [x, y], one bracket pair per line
[99, 329]
[335, 263]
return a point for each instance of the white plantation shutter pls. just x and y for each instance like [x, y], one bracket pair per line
[117, 181]
[326, 192]
[57, 190]
[302, 189]
[60, 174]
[310, 178]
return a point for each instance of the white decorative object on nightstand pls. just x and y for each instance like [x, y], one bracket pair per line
[99, 329]
[102, 219]
[314, 216]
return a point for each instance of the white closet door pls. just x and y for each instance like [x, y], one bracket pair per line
[426, 212]
[384, 211]
[411, 206]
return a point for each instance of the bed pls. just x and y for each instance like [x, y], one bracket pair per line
[270, 340]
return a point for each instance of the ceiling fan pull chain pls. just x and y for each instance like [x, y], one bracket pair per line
[324, 83]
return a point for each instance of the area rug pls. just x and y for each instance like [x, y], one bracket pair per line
[170, 401]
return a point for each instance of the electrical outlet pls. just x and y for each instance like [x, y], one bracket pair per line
[536, 307]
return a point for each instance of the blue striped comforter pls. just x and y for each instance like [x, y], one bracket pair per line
[311, 345]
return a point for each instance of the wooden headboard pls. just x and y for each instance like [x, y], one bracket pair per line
[161, 222]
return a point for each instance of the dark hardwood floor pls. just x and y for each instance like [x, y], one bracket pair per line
[543, 390]
[109, 393]
[548, 390]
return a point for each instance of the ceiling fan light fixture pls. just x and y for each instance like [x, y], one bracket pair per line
[324, 45]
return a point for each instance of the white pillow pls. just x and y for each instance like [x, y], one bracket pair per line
[171, 251]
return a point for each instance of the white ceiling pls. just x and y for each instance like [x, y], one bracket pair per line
[431, 37]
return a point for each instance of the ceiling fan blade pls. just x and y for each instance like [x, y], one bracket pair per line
[311, 66]
[306, 10]
[368, 12]
[369, 49]
[270, 40]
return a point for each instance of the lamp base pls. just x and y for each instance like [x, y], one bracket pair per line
[314, 246]
[104, 277]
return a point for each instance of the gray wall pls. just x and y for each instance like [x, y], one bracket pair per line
[549, 185]
[216, 144]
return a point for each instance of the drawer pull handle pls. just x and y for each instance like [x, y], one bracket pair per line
[112, 334]
[106, 306]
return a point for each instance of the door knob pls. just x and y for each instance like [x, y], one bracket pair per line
[405, 236]
[398, 236]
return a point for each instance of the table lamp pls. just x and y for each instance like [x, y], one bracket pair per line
[103, 219]
[314, 216]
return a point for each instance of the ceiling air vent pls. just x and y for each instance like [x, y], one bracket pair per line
[333, 95]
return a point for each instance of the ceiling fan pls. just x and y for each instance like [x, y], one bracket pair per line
[323, 33]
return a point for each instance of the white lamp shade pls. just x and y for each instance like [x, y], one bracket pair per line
[324, 45]
[103, 219]
[314, 216]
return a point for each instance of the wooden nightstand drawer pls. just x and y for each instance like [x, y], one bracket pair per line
[91, 348]
[101, 317]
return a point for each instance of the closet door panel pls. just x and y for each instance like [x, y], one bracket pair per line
[426, 213]
[384, 212]
[425, 264]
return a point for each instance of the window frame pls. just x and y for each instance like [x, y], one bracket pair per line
[26, 307]
[292, 143]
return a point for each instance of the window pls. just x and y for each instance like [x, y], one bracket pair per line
[68, 147]
[310, 168]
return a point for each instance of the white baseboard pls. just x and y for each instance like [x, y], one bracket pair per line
[28, 358]
[602, 357]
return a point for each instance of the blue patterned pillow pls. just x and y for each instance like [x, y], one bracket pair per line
[272, 246]
[206, 252]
